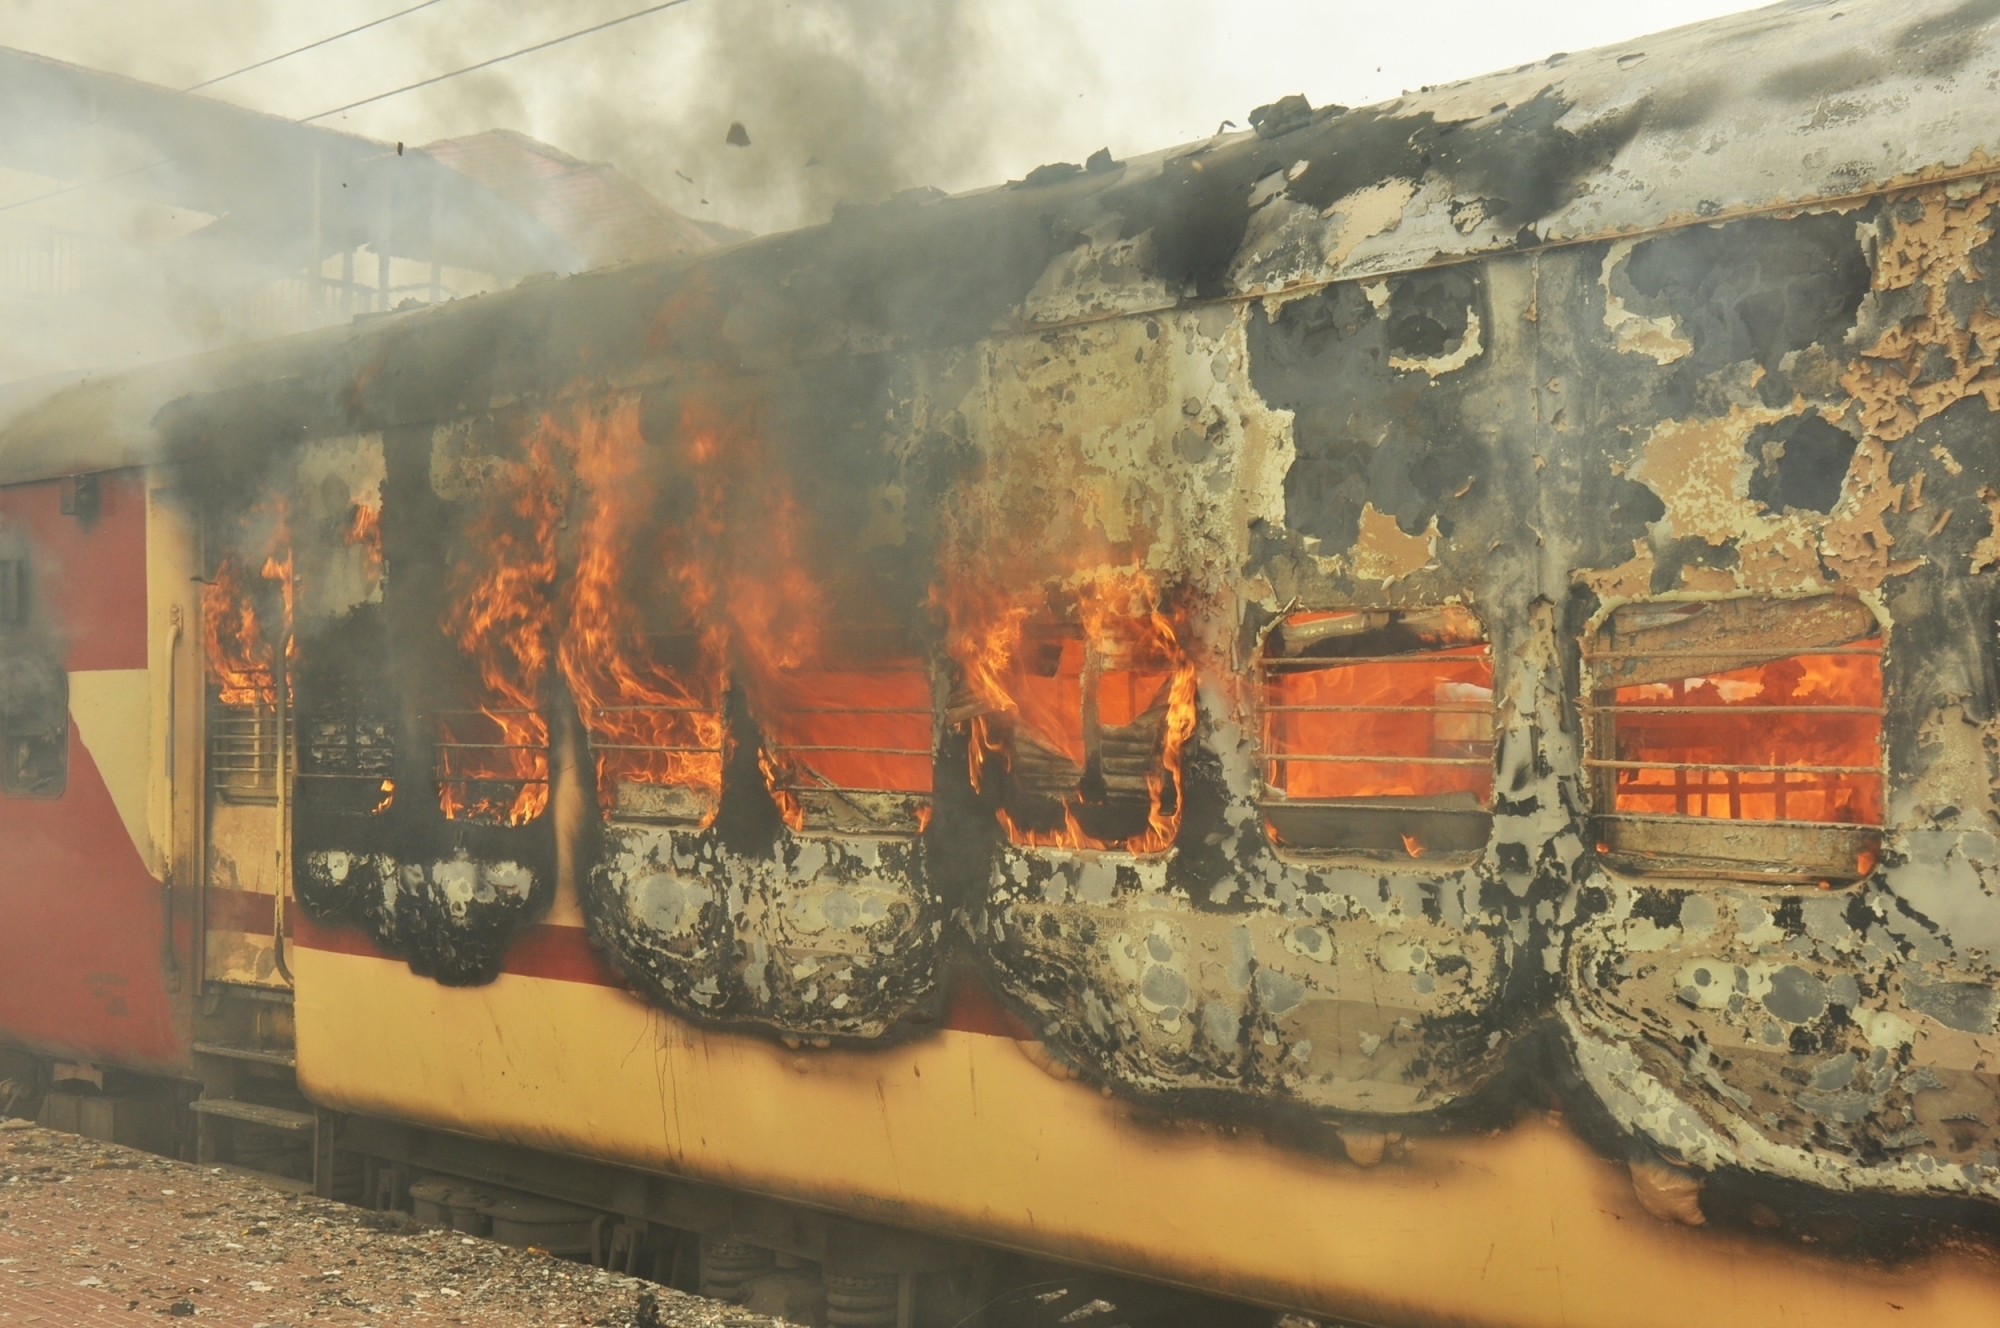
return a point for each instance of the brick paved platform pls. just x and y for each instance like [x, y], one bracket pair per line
[94, 1233]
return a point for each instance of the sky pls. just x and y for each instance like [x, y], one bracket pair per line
[841, 99]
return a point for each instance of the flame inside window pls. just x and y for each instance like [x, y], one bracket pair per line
[1741, 711]
[656, 727]
[1377, 730]
[850, 749]
[493, 764]
[240, 616]
[493, 750]
[1077, 722]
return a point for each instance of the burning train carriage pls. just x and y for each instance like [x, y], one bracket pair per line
[1341, 631]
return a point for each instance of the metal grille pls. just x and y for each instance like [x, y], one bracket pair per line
[1719, 788]
[243, 752]
[807, 769]
[486, 770]
[1460, 732]
[347, 759]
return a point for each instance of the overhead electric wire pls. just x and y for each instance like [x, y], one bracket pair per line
[365, 101]
[498, 59]
[300, 50]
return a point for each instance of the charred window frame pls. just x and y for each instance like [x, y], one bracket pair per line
[347, 754]
[34, 734]
[1376, 728]
[1738, 737]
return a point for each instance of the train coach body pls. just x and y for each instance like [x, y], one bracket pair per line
[1364, 715]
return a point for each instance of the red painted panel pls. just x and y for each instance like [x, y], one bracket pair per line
[241, 910]
[81, 929]
[89, 572]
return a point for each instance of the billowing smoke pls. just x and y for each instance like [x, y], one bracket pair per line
[751, 115]
[841, 100]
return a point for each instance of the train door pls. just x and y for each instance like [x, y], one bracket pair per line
[245, 611]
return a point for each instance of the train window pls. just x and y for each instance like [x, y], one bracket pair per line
[34, 733]
[347, 755]
[658, 732]
[493, 764]
[346, 726]
[13, 592]
[243, 747]
[1739, 736]
[849, 749]
[1090, 743]
[1377, 732]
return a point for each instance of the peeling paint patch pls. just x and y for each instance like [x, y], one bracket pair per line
[1634, 333]
[1701, 472]
[1384, 553]
[1450, 361]
[1986, 553]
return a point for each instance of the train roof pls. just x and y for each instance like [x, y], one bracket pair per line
[1805, 103]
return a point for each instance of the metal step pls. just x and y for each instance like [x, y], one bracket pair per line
[253, 1113]
[287, 1059]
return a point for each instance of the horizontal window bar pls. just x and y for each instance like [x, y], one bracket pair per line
[1733, 651]
[1721, 768]
[492, 746]
[668, 709]
[853, 710]
[1384, 760]
[1662, 818]
[453, 780]
[650, 747]
[1342, 661]
[1375, 710]
[873, 751]
[1733, 708]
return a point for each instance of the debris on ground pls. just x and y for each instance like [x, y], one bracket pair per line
[92, 1230]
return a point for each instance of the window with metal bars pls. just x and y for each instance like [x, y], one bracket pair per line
[492, 764]
[850, 749]
[243, 745]
[1740, 737]
[347, 756]
[1377, 732]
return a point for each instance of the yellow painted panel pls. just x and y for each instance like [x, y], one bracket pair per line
[961, 1134]
[112, 709]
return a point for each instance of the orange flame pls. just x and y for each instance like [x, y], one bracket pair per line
[364, 532]
[1127, 657]
[857, 729]
[649, 723]
[238, 649]
[494, 759]
[651, 612]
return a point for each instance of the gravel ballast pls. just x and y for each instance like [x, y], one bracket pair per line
[92, 1232]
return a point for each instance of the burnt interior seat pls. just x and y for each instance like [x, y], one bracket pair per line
[1738, 737]
[1377, 733]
